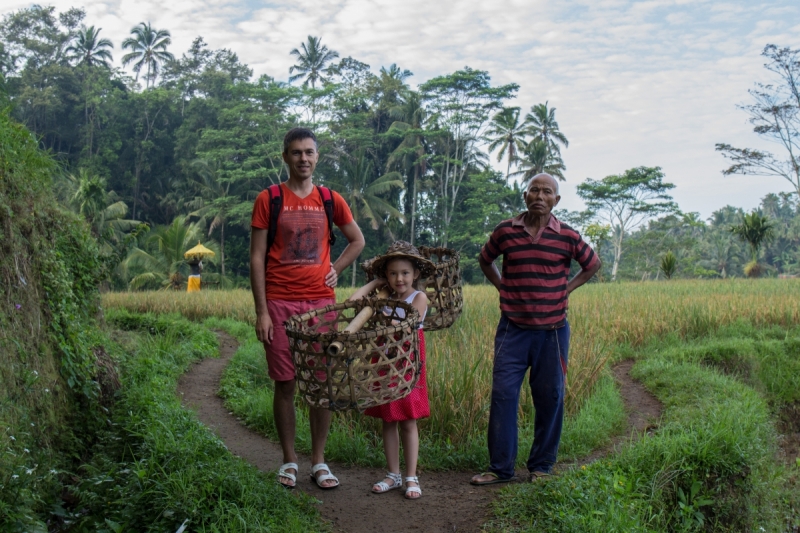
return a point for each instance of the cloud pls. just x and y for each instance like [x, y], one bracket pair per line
[635, 83]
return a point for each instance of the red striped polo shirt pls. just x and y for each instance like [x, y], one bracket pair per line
[533, 284]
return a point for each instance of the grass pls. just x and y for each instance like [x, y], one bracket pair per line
[710, 466]
[157, 467]
[602, 316]
[721, 355]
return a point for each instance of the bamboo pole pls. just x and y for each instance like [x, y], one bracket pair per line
[336, 347]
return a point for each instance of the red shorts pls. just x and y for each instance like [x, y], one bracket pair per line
[279, 358]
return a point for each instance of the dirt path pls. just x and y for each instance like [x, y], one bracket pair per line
[448, 504]
[644, 411]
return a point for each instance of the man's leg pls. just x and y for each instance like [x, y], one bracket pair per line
[548, 384]
[320, 420]
[283, 411]
[510, 365]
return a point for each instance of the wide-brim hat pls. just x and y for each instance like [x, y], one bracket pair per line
[402, 250]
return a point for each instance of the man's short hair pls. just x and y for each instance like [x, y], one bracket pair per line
[297, 134]
[528, 186]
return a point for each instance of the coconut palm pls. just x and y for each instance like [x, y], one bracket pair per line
[89, 49]
[148, 50]
[756, 230]
[537, 158]
[362, 191]
[311, 61]
[216, 201]
[102, 209]
[410, 153]
[161, 261]
[508, 134]
[541, 124]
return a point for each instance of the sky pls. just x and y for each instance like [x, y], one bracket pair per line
[653, 83]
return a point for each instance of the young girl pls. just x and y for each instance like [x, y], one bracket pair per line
[401, 267]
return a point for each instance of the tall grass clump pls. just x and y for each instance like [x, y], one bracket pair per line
[157, 468]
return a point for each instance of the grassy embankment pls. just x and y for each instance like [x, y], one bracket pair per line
[77, 451]
[609, 322]
[156, 467]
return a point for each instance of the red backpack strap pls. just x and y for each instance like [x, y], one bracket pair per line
[327, 201]
[275, 206]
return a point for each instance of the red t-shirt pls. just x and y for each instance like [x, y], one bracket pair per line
[300, 257]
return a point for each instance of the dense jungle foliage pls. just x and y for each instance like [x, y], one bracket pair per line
[177, 153]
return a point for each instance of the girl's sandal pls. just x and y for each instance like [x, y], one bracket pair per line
[413, 490]
[382, 486]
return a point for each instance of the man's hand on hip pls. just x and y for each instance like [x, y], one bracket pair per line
[332, 278]
[264, 330]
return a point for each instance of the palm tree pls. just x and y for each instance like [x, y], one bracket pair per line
[215, 201]
[102, 209]
[537, 158]
[756, 230]
[89, 49]
[148, 49]
[410, 153]
[541, 124]
[311, 61]
[507, 133]
[161, 261]
[358, 186]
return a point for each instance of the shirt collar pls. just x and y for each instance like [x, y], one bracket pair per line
[553, 224]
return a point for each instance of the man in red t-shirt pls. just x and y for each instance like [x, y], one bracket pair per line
[297, 276]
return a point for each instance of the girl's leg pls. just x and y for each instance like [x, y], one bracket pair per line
[391, 449]
[410, 437]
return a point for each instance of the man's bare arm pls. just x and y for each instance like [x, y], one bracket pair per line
[490, 271]
[258, 283]
[355, 244]
[582, 277]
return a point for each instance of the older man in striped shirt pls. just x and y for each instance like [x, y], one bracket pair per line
[533, 332]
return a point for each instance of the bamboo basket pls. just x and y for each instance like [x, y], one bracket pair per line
[444, 289]
[378, 364]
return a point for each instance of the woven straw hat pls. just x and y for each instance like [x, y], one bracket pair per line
[402, 250]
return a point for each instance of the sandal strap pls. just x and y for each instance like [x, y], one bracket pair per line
[319, 466]
[324, 477]
[282, 472]
[412, 479]
[397, 482]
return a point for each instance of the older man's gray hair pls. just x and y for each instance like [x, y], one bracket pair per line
[539, 175]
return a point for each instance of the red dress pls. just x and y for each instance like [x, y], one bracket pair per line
[415, 405]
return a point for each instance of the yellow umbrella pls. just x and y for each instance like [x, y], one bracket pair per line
[199, 252]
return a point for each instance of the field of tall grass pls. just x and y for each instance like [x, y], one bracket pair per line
[603, 317]
[722, 356]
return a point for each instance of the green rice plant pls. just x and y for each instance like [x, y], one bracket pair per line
[602, 316]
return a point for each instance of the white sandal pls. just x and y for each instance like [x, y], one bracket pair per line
[413, 490]
[324, 477]
[397, 482]
[282, 472]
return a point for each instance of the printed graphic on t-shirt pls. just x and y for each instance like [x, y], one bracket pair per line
[302, 233]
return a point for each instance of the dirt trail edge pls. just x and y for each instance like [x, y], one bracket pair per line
[448, 504]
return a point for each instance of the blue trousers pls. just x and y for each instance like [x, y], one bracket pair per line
[545, 353]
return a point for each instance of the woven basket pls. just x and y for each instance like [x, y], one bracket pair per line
[379, 363]
[444, 288]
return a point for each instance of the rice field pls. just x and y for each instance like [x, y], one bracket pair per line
[603, 318]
